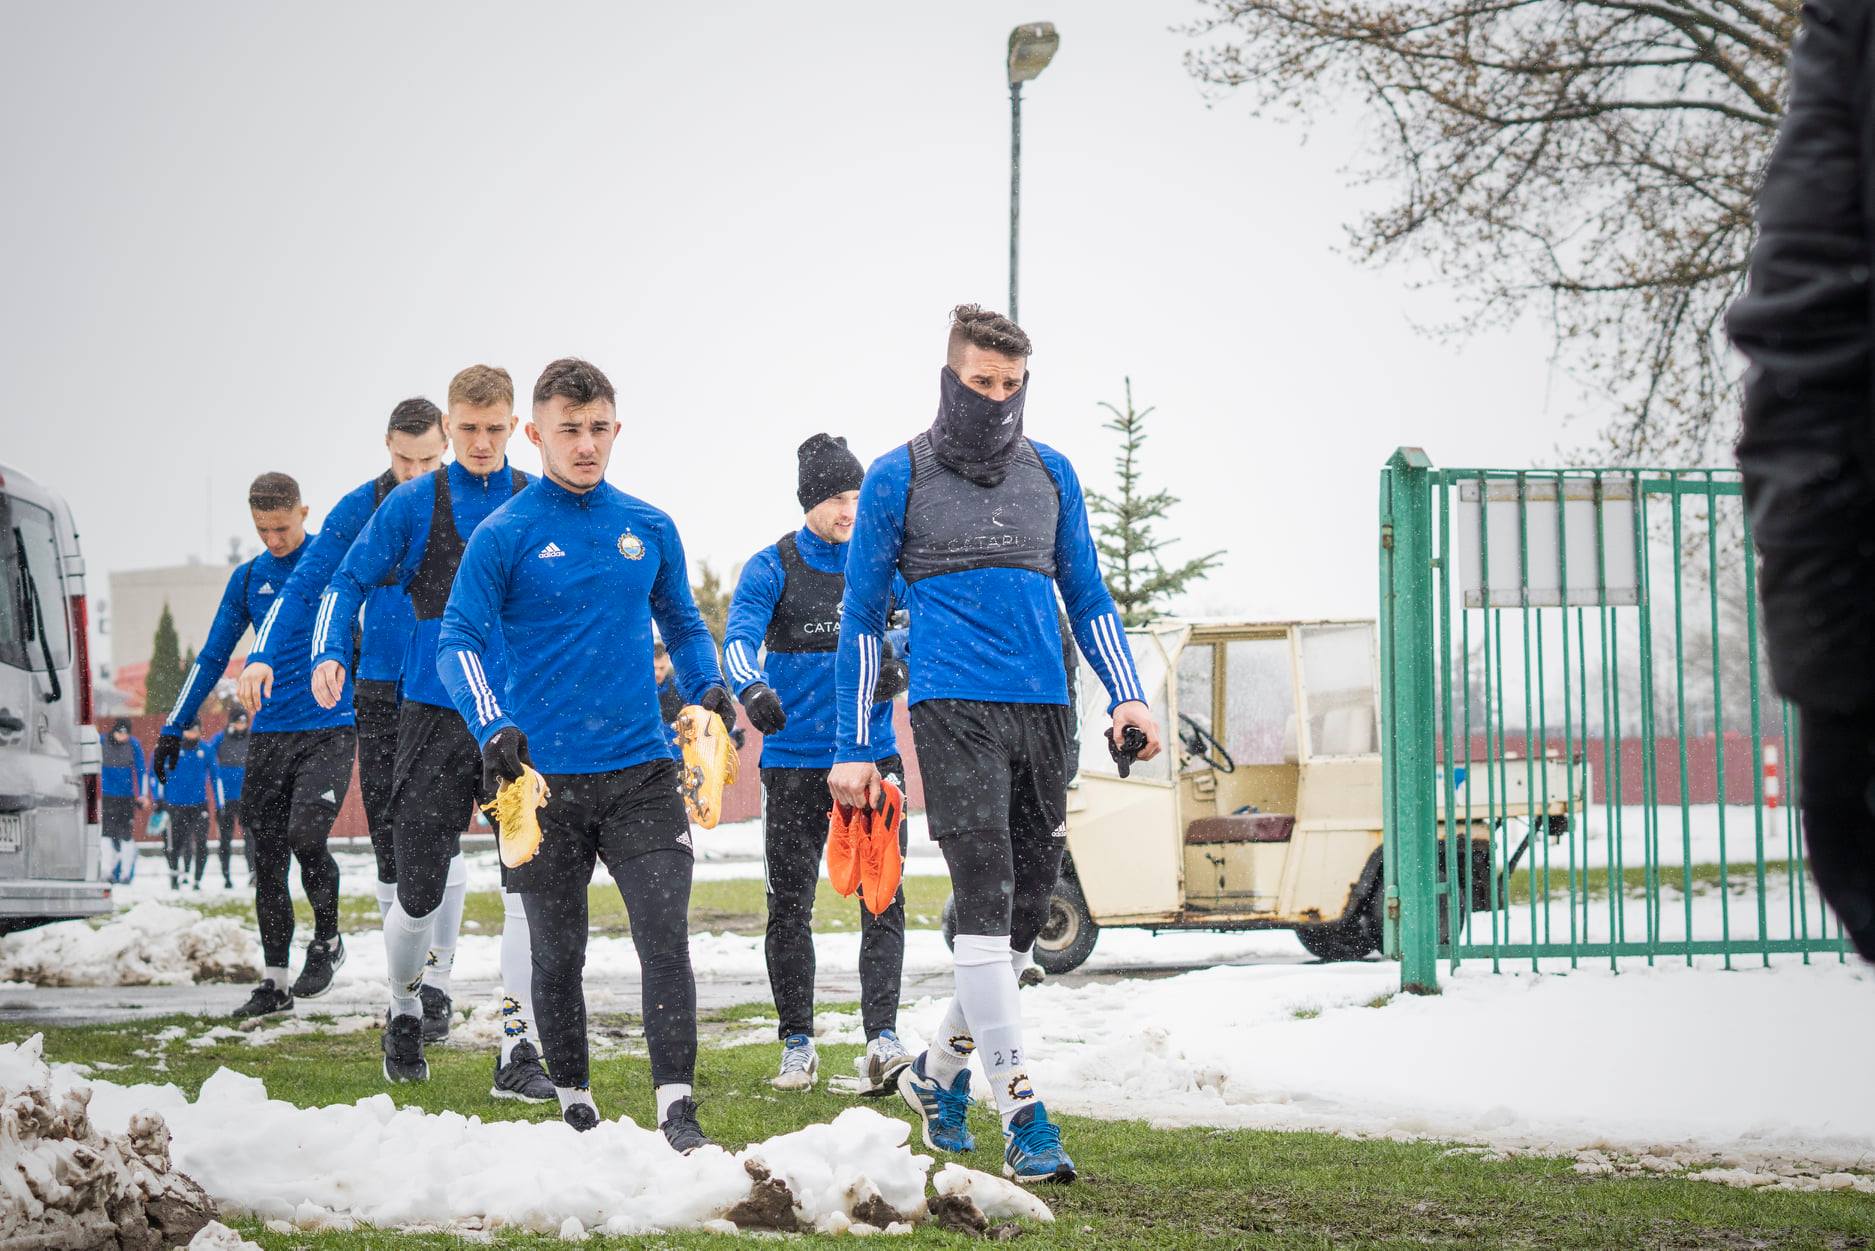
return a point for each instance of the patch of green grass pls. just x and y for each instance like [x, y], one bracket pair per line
[1556, 881]
[1140, 1186]
[735, 906]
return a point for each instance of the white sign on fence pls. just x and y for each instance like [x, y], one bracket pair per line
[1528, 551]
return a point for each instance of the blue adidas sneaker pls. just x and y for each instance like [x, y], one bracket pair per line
[1032, 1149]
[942, 1110]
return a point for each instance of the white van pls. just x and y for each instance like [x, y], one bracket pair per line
[50, 794]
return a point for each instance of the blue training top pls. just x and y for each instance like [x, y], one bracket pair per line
[391, 550]
[189, 780]
[573, 582]
[980, 630]
[802, 678]
[248, 599]
[387, 617]
[229, 753]
[124, 774]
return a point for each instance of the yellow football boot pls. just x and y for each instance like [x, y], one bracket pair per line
[710, 763]
[516, 812]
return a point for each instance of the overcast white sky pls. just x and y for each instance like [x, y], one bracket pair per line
[234, 235]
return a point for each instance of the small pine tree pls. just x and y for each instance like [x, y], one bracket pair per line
[1137, 578]
[712, 600]
[164, 680]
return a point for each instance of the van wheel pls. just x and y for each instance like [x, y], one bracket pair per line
[1068, 934]
[1350, 938]
[1069, 931]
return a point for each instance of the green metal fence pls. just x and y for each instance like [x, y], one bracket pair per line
[1584, 760]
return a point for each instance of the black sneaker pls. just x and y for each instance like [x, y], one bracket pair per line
[681, 1129]
[322, 961]
[581, 1116]
[403, 1050]
[267, 1000]
[522, 1077]
[436, 1009]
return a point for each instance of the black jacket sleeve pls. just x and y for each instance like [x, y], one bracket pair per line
[1804, 326]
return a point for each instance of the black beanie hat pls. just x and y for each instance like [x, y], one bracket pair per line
[827, 470]
[120, 724]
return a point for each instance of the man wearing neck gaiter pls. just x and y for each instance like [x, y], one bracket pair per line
[984, 524]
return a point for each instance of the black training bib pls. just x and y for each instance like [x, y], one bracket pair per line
[953, 524]
[807, 616]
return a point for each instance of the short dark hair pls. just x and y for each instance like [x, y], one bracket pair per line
[972, 323]
[573, 379]
[273, 491]
[415, 415]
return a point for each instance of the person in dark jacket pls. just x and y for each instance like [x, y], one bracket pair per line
[1807, 452]
[228, 751]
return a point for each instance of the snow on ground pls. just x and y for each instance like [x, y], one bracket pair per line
[152, 944]
[1671, 1057]
[369, 1162]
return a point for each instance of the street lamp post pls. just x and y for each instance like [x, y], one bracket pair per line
[1031, 47]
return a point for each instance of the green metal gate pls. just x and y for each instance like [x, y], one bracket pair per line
[1583, 757]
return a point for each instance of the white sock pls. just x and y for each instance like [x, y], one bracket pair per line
[278, 976]
[406, 946]
[951, 1047]
[442, 958]
[1020, 960]
[387, 895]
[570, 1095]
[667, 1097]
[986, 991]
[517, 975]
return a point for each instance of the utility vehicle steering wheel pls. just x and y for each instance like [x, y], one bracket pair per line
[1199, 744]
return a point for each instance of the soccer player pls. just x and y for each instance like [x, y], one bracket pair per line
[787, 604]
[414, 440]
[299, 767]
[571, 574]
[184, 796]
[228, 752]
[125, 785]
[983, 524]
[414, 542]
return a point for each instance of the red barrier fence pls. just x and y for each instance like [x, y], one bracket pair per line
[1741, 761]
[742, 800]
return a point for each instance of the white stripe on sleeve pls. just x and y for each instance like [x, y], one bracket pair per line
[266, 626]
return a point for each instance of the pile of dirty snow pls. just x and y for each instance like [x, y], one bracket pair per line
[150, 945]
[371, 1163]
[66, 1181]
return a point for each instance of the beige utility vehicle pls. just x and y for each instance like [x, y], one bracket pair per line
[1264, 812]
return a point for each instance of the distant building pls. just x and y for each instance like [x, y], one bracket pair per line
[193, 592]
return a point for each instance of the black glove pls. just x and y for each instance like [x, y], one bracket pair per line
[168, 752]
[764, 708]
[894, 677]
[717, 700]
[502, 758]
[1125, 753]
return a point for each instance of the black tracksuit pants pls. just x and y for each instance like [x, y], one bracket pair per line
[1836, 773]
[634, 820]
[376, 706]
[187, 845]
[795, 810]
[438, 786]
[225, 817]
[996, 800]
[295, 784]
